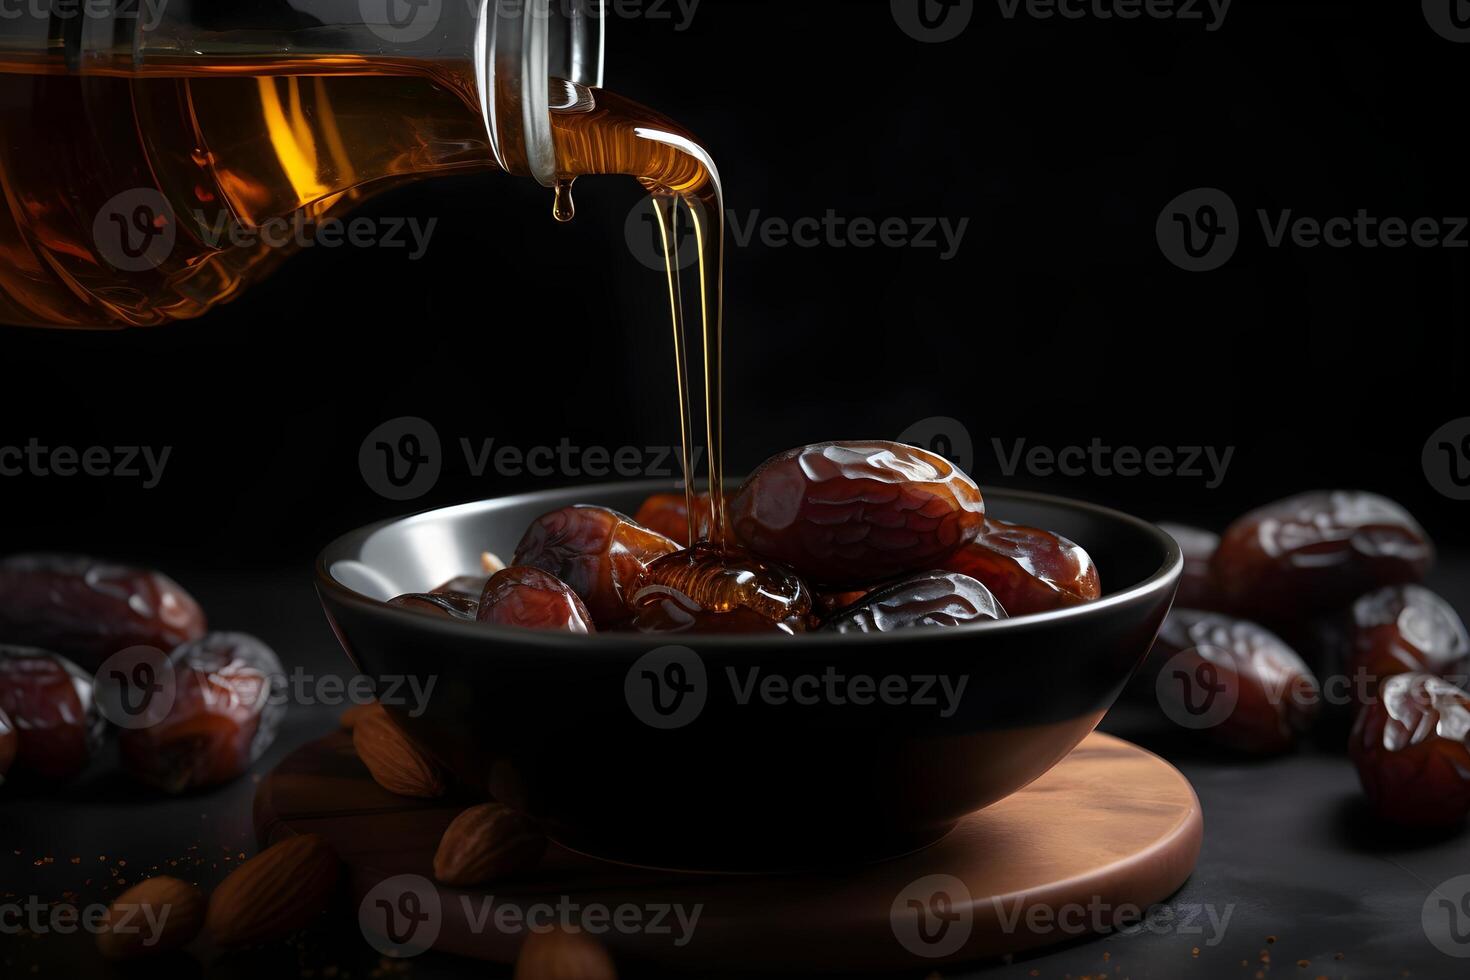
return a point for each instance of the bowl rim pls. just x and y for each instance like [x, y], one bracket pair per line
[349, 546]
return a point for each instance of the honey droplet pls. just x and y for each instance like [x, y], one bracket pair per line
[564, 209]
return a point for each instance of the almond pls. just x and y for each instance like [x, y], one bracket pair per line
[491, 563]
[353, 715]
[153, 916]
[558, 955]
[396, 763]
[487, 842]
[275, 893]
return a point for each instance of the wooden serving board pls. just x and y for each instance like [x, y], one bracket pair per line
[1112, 829]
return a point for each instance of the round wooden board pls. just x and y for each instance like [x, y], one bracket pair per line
[1112, 829]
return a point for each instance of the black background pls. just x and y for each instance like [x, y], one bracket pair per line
[1059, 321]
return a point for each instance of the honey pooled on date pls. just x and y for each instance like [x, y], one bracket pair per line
[730, 579]
[661, 609]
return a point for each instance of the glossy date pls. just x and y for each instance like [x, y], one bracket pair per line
[50, 701]
[927, 599]
[88, 610]
[856, 513]
[444, 605]
[1317, 552]
[1411, 753]
[602, 554]
[1196, 584]
[668, 514]
[1405, 629]
[226, 709]
[533, 599]
[1028, 570]
[1238, 683]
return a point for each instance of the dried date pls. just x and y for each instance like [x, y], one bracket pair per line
[1028, 570]
[9, 744]
[533, 599]
[472, 586]
[444, 605]
[927, 599]
[1196, 584]
[226, 709]
[1411, 752]
[88, 610]
[855, 513]
[1317, 552]
[602, 554]
[50, 701]
[1237, 682]
[668, 514]
[1405, 629]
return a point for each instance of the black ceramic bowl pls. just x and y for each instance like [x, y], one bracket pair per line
[745, 752]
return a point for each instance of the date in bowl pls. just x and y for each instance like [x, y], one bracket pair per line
[730, 752]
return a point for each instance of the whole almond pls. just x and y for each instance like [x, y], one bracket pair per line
[487, 842]
[396, 763]
[558, 955]
[153, 916]
[353, 715]
[275, 893]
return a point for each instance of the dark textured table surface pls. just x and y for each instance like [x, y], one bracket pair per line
[1295, 878]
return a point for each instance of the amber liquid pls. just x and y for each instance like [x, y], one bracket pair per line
[248, 148]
